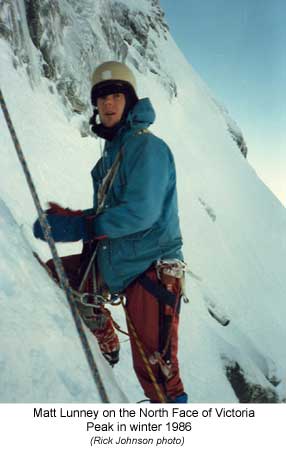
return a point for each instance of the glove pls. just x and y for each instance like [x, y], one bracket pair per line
[63, 228]
[59, 210]
[66, 225]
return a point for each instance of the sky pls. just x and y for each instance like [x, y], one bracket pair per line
[238, 49]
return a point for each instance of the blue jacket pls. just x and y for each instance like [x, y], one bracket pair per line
[140, 217]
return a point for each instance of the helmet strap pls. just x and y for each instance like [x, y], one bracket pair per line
[102, 131]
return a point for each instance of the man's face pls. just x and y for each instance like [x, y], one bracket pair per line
[110, 108]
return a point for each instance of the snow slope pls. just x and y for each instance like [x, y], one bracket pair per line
[41, 357]
[234, 242]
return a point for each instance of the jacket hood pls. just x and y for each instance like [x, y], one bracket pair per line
[142, 115]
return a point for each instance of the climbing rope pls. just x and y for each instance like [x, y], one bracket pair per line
[64, 283]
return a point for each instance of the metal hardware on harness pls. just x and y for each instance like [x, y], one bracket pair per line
[185, 299]
[166, 367]
[115, 299]
[172, 267]
[98, 299]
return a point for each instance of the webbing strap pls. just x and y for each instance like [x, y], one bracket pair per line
[102, 195]
[108, 182]
[158, 291]
[164, 297]
[64, 283]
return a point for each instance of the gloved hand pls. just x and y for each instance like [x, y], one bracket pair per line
[55, 208]
[66, 225]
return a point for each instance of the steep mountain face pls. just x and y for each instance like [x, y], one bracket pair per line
[232, 333]
[65, 40]
[65, 32]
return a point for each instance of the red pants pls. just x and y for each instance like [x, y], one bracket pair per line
[99, 320]
[149, 318]
[155, 323]
[71, 266]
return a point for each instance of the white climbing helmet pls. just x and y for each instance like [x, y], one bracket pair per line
[110, 77]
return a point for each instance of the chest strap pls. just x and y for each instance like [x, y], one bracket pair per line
[107, 182]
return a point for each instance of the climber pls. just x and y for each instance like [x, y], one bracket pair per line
[134, 229]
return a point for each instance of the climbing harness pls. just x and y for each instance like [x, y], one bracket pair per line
[64, 283]
[172, 269]
[168, 271]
